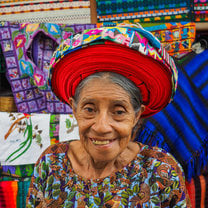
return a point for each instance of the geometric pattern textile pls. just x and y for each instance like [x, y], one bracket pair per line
[144, 11]
[176, 37]
[53, 11]
[201, 10]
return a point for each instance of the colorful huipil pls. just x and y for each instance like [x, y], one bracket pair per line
[152, 179]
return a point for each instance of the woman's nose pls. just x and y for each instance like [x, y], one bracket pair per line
[102, 123]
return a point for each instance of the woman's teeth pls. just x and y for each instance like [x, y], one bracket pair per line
[98, 142]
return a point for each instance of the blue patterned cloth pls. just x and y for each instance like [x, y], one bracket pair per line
[182, 127]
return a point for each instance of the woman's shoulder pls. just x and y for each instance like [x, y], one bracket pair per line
[55, 149]
[157, 154]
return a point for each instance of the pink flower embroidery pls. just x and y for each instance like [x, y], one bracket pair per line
[94, 32]
[76, 43]
[19, 41]
[66, 35]
[39, 79]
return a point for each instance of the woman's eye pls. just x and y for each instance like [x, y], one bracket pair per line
[89, 110]
[120, 112]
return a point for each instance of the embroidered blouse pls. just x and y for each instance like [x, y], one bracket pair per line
[152, 179]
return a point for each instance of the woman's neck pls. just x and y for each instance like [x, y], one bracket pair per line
[85, 166]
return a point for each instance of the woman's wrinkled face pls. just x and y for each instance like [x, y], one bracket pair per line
[105, 118]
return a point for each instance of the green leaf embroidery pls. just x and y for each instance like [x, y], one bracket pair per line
[155, 199]
[20, 53]
[124, 202]
[154, 187]
[124, 194]
[136, 188]
[14, 34]
[157, 164]
[97, 201]
[129, 191]
[56, 186]
[69, 204]
[175, 184]
[167, 190]
[173, 173]
[68, 29]
[43, 175]
[68, 123]
[37, 180]
[44, 165]
[107, 198]
[56, 192]
[71, 195]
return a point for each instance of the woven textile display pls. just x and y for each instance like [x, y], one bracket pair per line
[23, 138]
[53, 11]
[177, 38]
[182, 127]
[144, 10]
[201, 10]
[198, 191]
[27, 49]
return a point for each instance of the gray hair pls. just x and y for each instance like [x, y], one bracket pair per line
[125, 83]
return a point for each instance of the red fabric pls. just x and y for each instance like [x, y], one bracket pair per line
[191, 191]
[8, 194]
[152, 78]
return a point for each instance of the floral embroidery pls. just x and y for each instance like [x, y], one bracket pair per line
[153, 179]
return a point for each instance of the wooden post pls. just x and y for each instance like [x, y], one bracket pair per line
[93, 11]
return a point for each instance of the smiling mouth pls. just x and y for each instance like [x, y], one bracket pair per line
[101, 142]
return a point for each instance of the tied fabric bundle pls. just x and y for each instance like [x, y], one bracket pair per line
[128, 50]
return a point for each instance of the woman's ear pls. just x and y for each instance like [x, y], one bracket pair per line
[138, 115]
[71, 103]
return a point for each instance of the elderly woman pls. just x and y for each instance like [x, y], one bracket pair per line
[112, 77]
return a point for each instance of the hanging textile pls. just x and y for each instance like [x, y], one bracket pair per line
[198, 191]
[8, 194]
[182, 127]
[53, 11]
[201, 10]
[177, 38]
[144, 11]
[23, 135]
[27, 49]
[23, 138]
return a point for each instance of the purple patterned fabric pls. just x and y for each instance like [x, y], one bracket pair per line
[27, 49]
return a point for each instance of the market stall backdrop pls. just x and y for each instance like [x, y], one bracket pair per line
[26, 47]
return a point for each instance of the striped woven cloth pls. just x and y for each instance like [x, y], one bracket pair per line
[53, 11]
[8, 194]
[201, 10]
[198, 191]
[182, 127]
[144, 11]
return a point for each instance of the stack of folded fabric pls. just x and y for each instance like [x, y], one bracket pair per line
[201, 10]
[144, 11]
[53, 11]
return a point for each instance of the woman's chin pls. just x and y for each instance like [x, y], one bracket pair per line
[103, 151]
